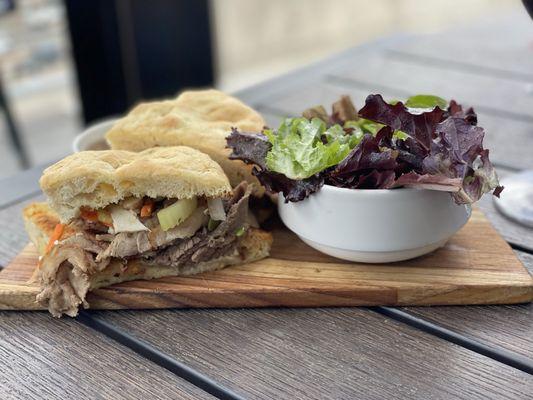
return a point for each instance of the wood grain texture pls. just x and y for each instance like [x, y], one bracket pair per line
[44, 358]
[475, 267]
[322, 354]
[509, 327]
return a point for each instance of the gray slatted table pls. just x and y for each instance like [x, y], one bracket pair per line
[413, 352]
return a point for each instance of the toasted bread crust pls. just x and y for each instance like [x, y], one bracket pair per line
[201, 119]
[40, 221]
[95, 179]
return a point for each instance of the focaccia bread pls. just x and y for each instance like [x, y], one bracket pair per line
[200, 119]
[95, 179]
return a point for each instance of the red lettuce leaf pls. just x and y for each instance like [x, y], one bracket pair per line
[251, 148]
[368, 179]
[367, 165]
[343, 111]
[443, 148]
[420, 127]
[293, 190]
[458, 153]
[367, 155]
[456, 110]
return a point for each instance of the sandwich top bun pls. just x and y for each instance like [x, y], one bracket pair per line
[95, 179]
[200, 119]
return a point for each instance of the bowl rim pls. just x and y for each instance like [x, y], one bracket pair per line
[92, 131]
[372, 192]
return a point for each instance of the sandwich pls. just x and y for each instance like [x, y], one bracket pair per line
[199, 119]
[114, 216]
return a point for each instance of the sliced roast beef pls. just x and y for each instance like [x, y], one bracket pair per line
[89, 226]
[224, 236]
[176, 254]
[105, 237]
[129, 244]
[206, 245]
[63, 276]
[126, 244]
[86, 242]
[186, 242]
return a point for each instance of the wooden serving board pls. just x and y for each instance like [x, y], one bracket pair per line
[476, 267]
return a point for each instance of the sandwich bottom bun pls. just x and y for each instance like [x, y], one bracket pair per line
[40, 222]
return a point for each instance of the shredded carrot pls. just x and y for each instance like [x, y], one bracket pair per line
[56, 235]
[147, 208]
[89, 215]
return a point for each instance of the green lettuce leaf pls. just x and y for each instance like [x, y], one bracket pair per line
[366, 126]
[338, 133]
[298, 151]
[424, 101]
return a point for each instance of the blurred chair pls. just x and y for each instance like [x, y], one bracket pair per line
[14, 135]
[128, 50]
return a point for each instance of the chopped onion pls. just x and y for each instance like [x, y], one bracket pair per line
[187, 228]
[216, 209]
[125, 220]
[176, 213]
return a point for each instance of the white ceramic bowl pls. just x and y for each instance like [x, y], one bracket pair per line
[92, 136]
[374, 226]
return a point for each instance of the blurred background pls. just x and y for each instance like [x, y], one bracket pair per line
[65, 64]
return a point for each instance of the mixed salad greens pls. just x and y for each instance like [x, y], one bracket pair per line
[426, 142]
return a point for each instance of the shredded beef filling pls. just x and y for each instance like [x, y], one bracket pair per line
[206, 245]
[65, 276]
[126, 245]
[189, 242]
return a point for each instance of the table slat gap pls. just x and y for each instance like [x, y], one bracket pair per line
[470, 68]
[495, 352]
[158, 357]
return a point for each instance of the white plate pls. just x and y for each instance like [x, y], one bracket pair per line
[516, 200]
